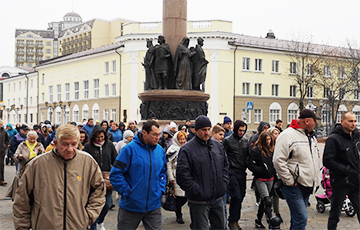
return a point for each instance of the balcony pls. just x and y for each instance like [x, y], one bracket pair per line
[39, 53]
[29, 44]
[19, 52]
[20, 60]
[39, 46]
[30, 53]
[20, 44]
[30, 60]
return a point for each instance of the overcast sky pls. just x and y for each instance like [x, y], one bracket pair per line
[327, 21]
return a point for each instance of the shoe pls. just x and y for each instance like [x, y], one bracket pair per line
[180, 220]
[308, 204]
[234, 226]
[3, 183]
[258, 224]
[100, 226]
[278, 215]
[112, 206]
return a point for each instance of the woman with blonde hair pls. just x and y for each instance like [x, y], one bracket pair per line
[179, 140]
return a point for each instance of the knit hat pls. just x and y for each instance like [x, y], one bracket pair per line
[48, 126]
[202, 121]
[227, 120]
[172, 125]
[128, 133]
[131, 122]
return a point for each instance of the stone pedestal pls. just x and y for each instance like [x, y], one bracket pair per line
[173, 104]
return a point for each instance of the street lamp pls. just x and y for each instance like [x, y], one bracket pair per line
[64, 108]
[50, 109]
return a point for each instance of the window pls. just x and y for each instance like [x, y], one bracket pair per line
[43, 78]
[327, 92]
[293, 91]
[58, 115]
[76, 113]
[58, 90]
[275, 67]
[293, 111]
[274, 112]
[113, 89]
[357, 115]
[113, 114]
[342, 108]
[326, 115]
[85, 114]
[257, 115]
[293, 68]
[106, 90]
[356, 95]
[76, 90]
[246, 63]
[14, 87]
[341, 93]
[355, 73]
[246, 88]
[106, 67]
[245, 115]
[67, 91]
[86, 89]
[258, 89]
[310, 91]
[48, 51]
[9, 88]
[309, 70]
[96, 89]
[31, 83]
[67, 114]
[113, 67]
[48, 43]
[51, 99]
[327, 71]
[106, 114]
[341, 72]
[275, 90]
[42, 97]
[258, 64]
[19, 85]
[96, 111]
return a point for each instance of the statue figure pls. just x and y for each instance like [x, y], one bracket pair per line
[182, 70]
[162, 64]
[150, 82]
[200, 65]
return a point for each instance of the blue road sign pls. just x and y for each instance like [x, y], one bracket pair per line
[249, 105]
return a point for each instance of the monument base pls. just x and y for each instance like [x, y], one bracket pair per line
[173, 104]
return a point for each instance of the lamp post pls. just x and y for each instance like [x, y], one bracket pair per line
[50, 109]
[63, 107]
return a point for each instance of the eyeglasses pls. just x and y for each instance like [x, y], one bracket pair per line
[155, 135]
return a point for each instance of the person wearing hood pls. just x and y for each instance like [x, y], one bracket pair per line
[237, 149]
[128, 136]
[263, 126]
[117, 135]
[172, 128]
[166, 138]
[341, 157]
[132, 127]
[122, 127]
[44, 131]
[105, 125]
[172, 153]
[12, 132]
[17, 127]
[89, 126]
[104, 153]
[139, 176]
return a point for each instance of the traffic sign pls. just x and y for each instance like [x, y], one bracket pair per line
[249, 105]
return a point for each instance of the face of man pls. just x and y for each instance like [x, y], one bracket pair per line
[192, 130]
[218, 136]
[114, 127]
[310, 124]
[188, 123]
[203, 133]
[241, 131]
[24, 132]
[91, 122]
[152, 138]
[279, 125]
[67, 147]
[227, 126]
[349, 123]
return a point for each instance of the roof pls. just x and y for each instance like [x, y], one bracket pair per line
[42, 33]
[76, 28]
[97, 50]
[72, 14]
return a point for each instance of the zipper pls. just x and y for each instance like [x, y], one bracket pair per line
[65, 185]
[148, 193]
[101, 161]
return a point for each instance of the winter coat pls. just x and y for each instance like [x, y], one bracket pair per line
[88, 129]
[172, 155]
[54, 193]
[15, 141]
[237, 152]
[41, 139]
[11, 132]
[166, 142]
[25, 151]
[110, 137]
[139, 175]
[117, 135]
[202, 170]
[297, 158]
[262, 166]
[4, 140]
[120, 145]
[341, 157]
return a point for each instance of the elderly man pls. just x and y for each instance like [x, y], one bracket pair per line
[297, 163]
[202, 172]
[4, 140]
[61, 189]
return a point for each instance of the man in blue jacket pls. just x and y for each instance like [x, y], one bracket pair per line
[139, 175]
[89, 126]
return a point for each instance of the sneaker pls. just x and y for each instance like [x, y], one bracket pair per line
[100, 226]
[278, 215]
[234, 226]
[258, 224]
[180, 220]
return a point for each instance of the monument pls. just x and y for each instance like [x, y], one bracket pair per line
[174, 72]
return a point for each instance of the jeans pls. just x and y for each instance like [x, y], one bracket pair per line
[225, 210]
[202, 214]
[297, 201]
[237, 189]
[337, 199]
[103, 212]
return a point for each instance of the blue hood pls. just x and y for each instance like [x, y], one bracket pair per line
[9, 126]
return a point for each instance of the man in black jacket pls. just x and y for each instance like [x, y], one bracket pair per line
[236, 146]
[202, 172]
[341, 157]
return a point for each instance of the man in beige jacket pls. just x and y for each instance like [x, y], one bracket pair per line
[61, 189]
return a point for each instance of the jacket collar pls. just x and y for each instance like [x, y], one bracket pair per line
[54, 151]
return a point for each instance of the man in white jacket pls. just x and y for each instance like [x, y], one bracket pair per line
[297, 163]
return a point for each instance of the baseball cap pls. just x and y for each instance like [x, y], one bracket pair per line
[307, 113]
[24, 127]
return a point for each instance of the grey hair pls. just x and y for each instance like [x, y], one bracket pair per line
[32, 133]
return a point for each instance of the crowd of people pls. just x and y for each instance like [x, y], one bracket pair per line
[205, 165]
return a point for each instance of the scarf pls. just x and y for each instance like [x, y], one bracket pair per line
[99, 144]
[31, 148]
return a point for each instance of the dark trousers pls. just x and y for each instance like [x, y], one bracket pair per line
[103, 212]
[337, 198]
[237, 189]
[180, 201]
[202, 214]
[130, 220]
[2, 162]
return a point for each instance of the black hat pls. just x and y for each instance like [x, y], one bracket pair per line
[192, 125]
[36, 127]
[307, 113]
[202, 121]
[24, 127]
